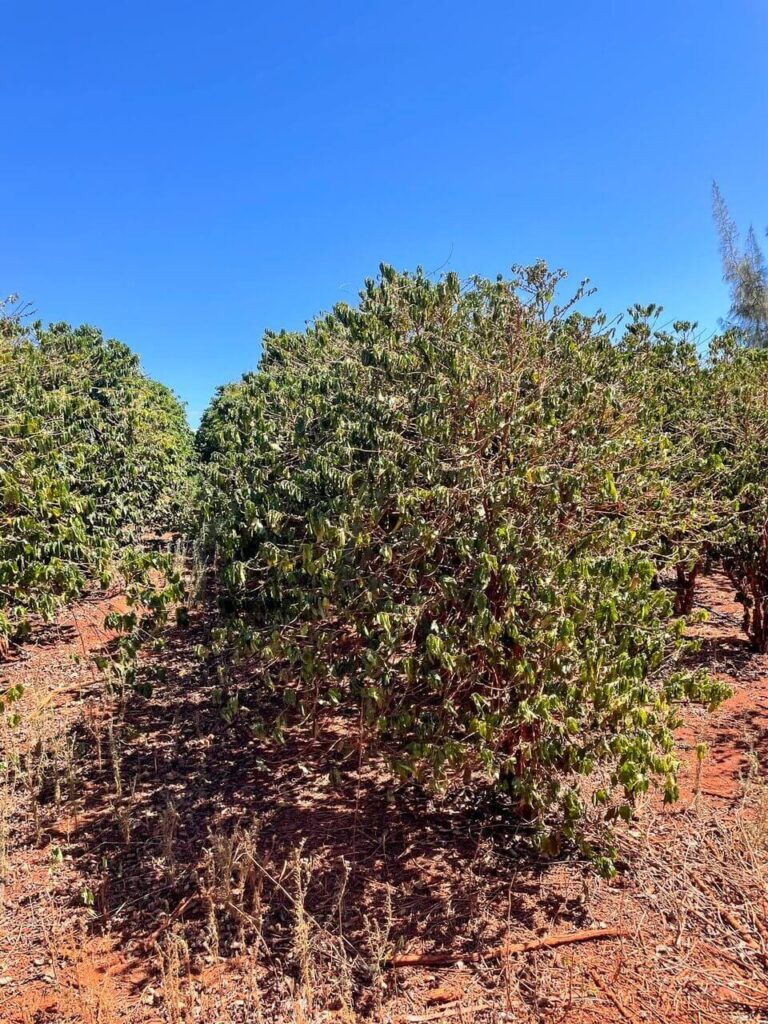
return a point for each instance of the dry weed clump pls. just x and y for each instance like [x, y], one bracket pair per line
[291, 965]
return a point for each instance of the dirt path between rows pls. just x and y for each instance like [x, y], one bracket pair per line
[149, 867]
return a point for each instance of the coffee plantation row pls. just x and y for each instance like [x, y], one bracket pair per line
[92, 453]
[466, 520]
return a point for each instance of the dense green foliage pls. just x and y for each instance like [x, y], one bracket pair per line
[449, 508]
[92, 452]
[455, 512]
[737, 405]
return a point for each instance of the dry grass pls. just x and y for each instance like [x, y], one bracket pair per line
[161, 865]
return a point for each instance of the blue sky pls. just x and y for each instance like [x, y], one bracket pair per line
[184, 175]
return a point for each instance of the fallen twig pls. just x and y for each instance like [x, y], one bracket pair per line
[447, 1010]
[529, 946]
[611, 997]
[181, 907]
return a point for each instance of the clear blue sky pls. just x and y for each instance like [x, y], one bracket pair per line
[184, 175]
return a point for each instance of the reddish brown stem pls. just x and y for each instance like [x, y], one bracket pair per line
[529, 946]
[686, 588]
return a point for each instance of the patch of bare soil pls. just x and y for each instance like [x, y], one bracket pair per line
[160, 864]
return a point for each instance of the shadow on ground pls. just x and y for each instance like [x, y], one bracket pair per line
[383, 859]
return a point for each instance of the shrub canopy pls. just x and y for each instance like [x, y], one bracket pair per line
[737, 398]
[91, 452]
[448, 508]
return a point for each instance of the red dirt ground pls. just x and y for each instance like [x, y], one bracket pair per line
[166, 890]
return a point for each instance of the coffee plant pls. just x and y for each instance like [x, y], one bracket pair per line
[738, 399]
[716, 412]
[92, 453]
[449, 510]
[664, 371]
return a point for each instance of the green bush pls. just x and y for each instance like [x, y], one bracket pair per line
[448, 509]
[92, 452]
[738, 399]
[664, 372]
[715, 413]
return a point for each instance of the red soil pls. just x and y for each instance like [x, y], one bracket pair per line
[692, 898]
